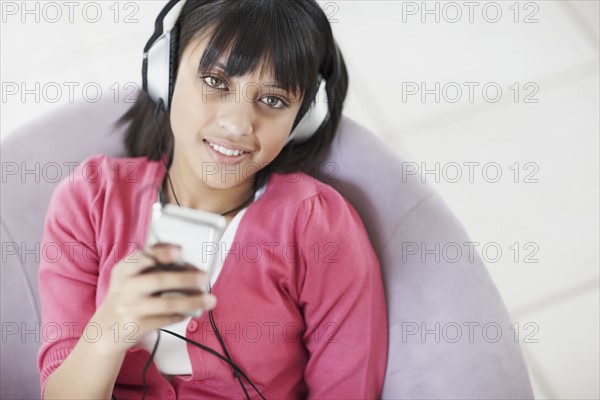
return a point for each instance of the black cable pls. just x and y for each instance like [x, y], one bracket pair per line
[218, 335]
[148, 364]
[211, 351]
[160, 148]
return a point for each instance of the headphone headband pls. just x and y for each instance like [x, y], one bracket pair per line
[165, 22]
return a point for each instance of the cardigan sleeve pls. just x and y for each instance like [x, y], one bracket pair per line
[68, 270]
[342, 299]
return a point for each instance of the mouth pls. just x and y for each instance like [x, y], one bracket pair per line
[225, 152]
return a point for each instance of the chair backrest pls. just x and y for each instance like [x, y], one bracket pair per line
[438, 307]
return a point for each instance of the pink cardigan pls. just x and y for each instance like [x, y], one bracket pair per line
[301, 302]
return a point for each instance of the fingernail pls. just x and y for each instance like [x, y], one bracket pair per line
[210, 301]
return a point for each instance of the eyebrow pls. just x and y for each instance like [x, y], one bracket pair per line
[275, 85]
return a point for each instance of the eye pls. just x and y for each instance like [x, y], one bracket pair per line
[214, 81]
[275, 102]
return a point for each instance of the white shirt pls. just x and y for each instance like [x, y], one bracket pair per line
[171, 357]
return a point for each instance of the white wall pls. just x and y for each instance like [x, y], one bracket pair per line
[550, 208]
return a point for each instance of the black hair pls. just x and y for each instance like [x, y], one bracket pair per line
[294, 36]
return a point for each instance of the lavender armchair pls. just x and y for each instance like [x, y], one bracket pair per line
[432, 305]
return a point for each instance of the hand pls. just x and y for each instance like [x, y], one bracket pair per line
[133, 296]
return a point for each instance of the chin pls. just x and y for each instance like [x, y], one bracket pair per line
[227, 180]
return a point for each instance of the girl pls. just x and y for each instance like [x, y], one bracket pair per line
[297, 307]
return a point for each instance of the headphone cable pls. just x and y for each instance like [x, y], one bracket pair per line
[233, 365]
[159, 105]
[236, 373]
[148, 365]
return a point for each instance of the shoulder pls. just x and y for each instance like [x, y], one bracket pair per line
[88, 181]
[100, 170]
[303, 198]
[103, 169]
[299, 190]
[309, 213]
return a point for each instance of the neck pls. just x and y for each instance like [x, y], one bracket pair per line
[192, 192]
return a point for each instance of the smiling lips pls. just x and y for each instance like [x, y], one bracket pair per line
[225, 152]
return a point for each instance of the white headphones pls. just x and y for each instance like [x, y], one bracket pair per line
[160, 62]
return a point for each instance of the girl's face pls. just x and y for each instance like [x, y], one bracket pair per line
[226, 129]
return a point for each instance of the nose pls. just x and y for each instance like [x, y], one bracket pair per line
[236, 116]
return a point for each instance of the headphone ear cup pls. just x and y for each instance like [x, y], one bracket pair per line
[315, 116]
[173, 55]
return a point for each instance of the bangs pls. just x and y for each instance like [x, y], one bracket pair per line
[272, 36]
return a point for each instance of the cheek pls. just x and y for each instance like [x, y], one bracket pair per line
[286, 126]
[187, 112]
[275, 137]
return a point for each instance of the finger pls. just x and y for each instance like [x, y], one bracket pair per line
[134, 263]
[157, 306]
[165, 253]
[171, 267]
[148, 283]
[161, 321]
